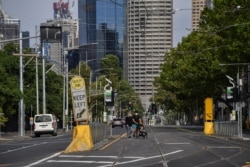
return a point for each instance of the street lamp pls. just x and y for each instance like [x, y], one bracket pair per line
[90, 79]
[21, 128]
[21, 67]
[86, 62]
[21, 109]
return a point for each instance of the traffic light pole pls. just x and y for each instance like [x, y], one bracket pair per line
[236, 103]
[241, 103]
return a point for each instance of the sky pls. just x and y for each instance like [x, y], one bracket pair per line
[33, 12]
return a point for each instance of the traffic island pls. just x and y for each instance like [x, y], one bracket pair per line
[82, 139]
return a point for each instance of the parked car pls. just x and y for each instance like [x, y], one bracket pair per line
[117, 122]
[45, 124]
[124, 121]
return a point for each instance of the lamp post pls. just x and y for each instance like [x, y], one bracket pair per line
[86, 62]
[90, 79]
[21, 130]
[21, 108]
[21, 105]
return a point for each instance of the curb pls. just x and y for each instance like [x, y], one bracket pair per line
[113, 140]
[4, 139]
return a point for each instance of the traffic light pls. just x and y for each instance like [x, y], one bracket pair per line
[109, 97]
[232, 94]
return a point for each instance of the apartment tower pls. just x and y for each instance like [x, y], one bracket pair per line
[197, 7]
[149, 32]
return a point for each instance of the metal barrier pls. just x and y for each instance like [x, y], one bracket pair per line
[99, 131]
[226, 128]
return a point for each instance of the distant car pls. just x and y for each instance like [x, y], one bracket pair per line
[45, 124]
[117, 122]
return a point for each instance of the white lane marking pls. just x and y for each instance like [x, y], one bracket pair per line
[93, 156]
[176, 143]
[141, 159]
[83, 156]
[222, 147]
[21, 148]
[87, 162]
[108, 163]
[44, 159]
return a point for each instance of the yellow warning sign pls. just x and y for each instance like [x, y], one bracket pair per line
[77, 82]
[79, 99]
[209, 109]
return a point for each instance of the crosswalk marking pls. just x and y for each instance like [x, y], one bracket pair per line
[126, 159]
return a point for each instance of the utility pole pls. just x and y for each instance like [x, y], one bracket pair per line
[21, 108]
[37, 92]
[44, 95]
[21, 113]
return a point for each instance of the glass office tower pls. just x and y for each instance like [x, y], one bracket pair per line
[101, 24]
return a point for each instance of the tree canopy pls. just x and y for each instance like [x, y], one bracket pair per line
[198, 66]
[10, 93]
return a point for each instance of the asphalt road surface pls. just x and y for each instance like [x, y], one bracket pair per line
[164, 147]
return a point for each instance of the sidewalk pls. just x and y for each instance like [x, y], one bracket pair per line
[5, 136]
[245, 133]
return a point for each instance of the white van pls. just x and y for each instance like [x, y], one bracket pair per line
[45, 124]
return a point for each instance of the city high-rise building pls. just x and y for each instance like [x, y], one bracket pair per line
[26, 40]
[9, 28]
[54, 51]
[69, 40]
[101, 26]
[197, 7]
[149, 32]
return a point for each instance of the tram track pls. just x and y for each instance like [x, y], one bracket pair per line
[125, 147]
[216, 142]
[164, 162]
[210, 145]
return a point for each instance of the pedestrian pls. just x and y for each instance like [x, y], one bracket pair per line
[129, 122]
[136, 122]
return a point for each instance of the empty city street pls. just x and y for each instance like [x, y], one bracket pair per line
[165, 146]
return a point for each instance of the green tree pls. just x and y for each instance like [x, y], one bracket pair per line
[192, 71]
[9, 90]
[10, 93]
[111, 68]
[54, 94]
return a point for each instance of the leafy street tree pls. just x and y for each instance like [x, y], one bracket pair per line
[193, 71]
[10, 93]
[125, 93]
[110, 69]
[9, 90]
